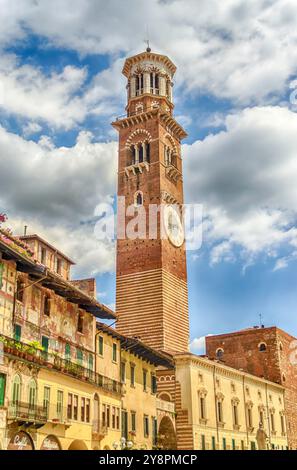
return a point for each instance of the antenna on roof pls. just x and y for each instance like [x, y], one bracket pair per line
[147, 40]
[25, 230]
[261, 320]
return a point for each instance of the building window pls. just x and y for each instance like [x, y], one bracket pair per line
[114, 352]
[103, 415]
[250, 417]
[100, 345]
[261, 416]
[58, 265]
[47, 305]
[219, 353]
[138, 199]
[262, 347]
[202, 407]
[88, 409]
[123, 372]
[113, 417]
[235, 414]
[75, 407]
[233, 444]
[144, 380]
[224, 443]
[91, 362]
[282, 420]
[272, 421]
[60, 399]
[220, 411]
[153, 384]
[79, 357]
[118, 418]
[80, 322]
[146, 430]
[202, 442]
[17, 333]
[69, 406]
[83, 409]
[32, 394]
[213, 442]
[133, 421]
[46, 399]
[242, 445]
[43, 255]
[20, 290]
[16, 390]
[108, 416]
[253, 445]
[132, 375]
[67, 352]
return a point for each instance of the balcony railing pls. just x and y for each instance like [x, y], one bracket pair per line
[164, 405]
[99, 430]
[27, 412]
[54, 361]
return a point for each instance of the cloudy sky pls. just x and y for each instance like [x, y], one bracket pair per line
[61, 86]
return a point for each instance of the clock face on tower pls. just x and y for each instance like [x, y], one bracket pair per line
[173, 226]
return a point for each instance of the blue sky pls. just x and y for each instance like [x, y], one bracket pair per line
[61, 86]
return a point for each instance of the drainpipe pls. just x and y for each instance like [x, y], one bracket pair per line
[215, 400]
[268, 420]
[244, 402]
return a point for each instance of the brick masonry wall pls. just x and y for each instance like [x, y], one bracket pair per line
[241, 351]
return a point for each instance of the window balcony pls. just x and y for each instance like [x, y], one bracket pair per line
[99, 430]
[27, 414]
[30, 353]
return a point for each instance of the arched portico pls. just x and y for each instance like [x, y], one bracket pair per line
[78, 445]
[166, 434]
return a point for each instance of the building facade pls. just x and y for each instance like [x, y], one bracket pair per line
[221, 408]
[62, 376]
[263, 352]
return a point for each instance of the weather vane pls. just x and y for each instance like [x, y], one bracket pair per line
[147, 40]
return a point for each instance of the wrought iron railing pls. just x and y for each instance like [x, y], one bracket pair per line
[54, 361]
[99, 428]
[20, 411]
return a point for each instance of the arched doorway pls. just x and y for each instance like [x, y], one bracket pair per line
[78, 445]
[166, 434]
[51, 443]
[21, 441]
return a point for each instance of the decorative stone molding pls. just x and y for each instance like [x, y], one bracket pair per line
[143, 134]
[139, 167]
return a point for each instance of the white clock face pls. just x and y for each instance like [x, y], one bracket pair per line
[173, 226]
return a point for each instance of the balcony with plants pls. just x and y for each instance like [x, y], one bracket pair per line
[33, 352]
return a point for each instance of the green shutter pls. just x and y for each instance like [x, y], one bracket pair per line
[2, 388]
[1, 274]
[17, 332]
[79, 356]
[91, 362]
[67, 352]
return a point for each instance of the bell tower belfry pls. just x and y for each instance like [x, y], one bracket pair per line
[151, 290]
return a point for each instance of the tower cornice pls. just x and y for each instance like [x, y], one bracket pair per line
[170, 123]
[147, 56]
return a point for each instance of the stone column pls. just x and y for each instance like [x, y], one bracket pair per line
[136, 154]
[133, 86]
[144, 151]
[162, 85]
[146, 82]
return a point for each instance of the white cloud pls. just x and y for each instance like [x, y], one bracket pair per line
[54, 190]
[238, 50]
[197, 345]
[245, 178]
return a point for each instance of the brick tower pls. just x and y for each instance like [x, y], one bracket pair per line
[151, 292]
